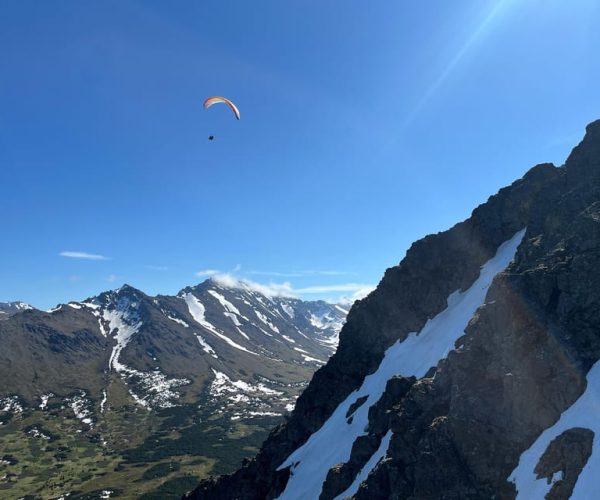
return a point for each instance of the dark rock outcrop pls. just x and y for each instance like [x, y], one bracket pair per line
[341, 476]
[567, 455]
[522, 360]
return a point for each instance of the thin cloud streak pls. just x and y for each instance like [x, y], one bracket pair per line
[156, 268]
[342, 287]
[299, 274]
[357, 295]
[286, 289]
[83, 255]
[207, 272]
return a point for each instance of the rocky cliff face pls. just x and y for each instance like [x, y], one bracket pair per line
[501, 411]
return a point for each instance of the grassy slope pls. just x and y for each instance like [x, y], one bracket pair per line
[132, 452]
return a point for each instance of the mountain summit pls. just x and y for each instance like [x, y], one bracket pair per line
[7, 309]
[470, 372]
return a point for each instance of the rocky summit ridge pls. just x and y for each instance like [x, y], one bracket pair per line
[502, 313]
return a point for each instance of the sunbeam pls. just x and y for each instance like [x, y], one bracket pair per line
[471, 41]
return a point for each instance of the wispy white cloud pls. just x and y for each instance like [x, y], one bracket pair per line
[74, 278]
[156, 268]
[275, 273]
[340, 287]
[83, 255]
[348, 300]
[286, 289]
[111, 278]
[207, 272]
[269, 289]
[299, 274]
[291, 274]
[332, 273]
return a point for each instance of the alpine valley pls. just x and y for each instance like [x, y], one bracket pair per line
[471, 372]
[127, 395]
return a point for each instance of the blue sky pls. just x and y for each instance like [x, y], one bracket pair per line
[364, 127]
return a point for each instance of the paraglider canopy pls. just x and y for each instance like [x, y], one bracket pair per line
[215, 99]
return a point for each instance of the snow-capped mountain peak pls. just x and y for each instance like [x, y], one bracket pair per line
[149, 344]
[7, 309]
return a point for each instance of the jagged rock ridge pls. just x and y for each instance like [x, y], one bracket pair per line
[461, 428]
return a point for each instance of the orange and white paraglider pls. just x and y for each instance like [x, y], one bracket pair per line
[215, 99]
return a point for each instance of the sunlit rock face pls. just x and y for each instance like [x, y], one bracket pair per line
[470, 372]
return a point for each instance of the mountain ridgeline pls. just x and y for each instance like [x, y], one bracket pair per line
[155, 345]
[471, 372]
[180, 385]
[7, 309]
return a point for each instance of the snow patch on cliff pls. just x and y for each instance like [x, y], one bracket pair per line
[414, 356]
[585, 413]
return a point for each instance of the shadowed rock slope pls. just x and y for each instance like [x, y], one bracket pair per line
[460, 430]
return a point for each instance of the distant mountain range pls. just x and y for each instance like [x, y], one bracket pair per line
[214, 353]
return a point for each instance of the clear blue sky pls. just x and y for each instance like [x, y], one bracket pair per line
[364, 127]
